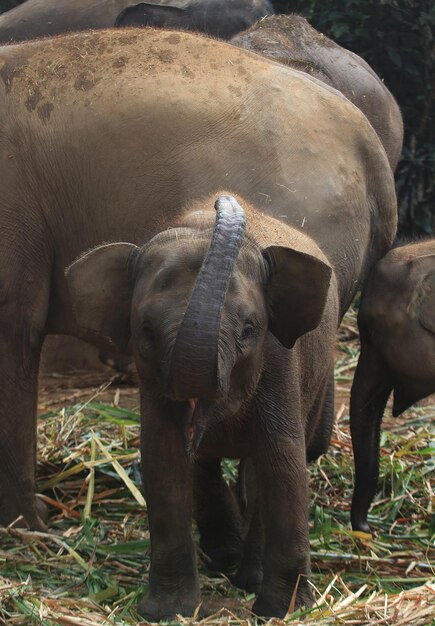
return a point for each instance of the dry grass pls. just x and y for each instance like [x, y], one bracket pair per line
[91, 568]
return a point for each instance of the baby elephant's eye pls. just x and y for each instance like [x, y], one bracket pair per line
[248, 330]
[148, 333]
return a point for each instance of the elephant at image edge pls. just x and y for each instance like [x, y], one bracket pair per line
[140, 158]
[42, 18]
[290, 40]
[397, 328]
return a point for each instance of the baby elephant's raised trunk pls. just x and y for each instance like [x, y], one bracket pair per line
[194, 366]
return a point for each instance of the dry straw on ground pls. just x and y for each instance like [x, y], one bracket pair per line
[91, 568]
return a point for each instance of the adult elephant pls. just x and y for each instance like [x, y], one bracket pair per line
[130, 136]
[290, 40]
[41, 18]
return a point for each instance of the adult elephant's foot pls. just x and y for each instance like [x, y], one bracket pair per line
[165, 608]
[278, 605]
[28, 512]
[359, 522]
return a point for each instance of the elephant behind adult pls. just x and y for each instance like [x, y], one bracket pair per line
[96, 150]
[42, 18]
[397, 329]
[290, 40]
[214, 17]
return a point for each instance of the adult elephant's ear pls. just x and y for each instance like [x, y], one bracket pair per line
[100, 288]
[150, 14]
[296, 292]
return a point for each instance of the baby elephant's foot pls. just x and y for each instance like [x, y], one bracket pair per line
[359, 520]
[248, 578]
[223, 553]
[165, 608]
[278, 605]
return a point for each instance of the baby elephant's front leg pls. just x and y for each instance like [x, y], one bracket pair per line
[283, 493]
[167, 476]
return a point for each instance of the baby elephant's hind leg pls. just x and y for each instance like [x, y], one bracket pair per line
[218, 517]
[319, 442]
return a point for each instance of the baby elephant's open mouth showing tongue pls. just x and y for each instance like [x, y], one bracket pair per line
[191, 418]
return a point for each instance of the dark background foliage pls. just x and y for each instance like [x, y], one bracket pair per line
[5, 5]
[397, 38]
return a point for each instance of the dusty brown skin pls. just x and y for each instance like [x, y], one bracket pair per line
[290, 40]
[397, 329]
[42, 18]
[120, 135]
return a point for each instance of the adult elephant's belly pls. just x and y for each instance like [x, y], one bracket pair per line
[110, 142]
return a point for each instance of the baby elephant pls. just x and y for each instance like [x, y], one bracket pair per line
[397, 328]
[212, 316]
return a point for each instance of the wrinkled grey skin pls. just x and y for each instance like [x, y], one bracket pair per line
[95, 151]
[397, 329]
[42, 18]
[290, 40]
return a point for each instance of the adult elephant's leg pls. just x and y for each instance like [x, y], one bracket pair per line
[217, 516]
[167, 476]
[23, 310]
[279, 458]
[371, 389]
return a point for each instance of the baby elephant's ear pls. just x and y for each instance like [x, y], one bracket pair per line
[101, 291]
[423, 279]
[296, 293]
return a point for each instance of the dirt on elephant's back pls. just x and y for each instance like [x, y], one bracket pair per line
[84, 59]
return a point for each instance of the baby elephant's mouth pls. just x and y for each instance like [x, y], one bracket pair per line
[193, 424]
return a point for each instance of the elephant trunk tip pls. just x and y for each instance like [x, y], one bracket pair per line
[226, 203]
